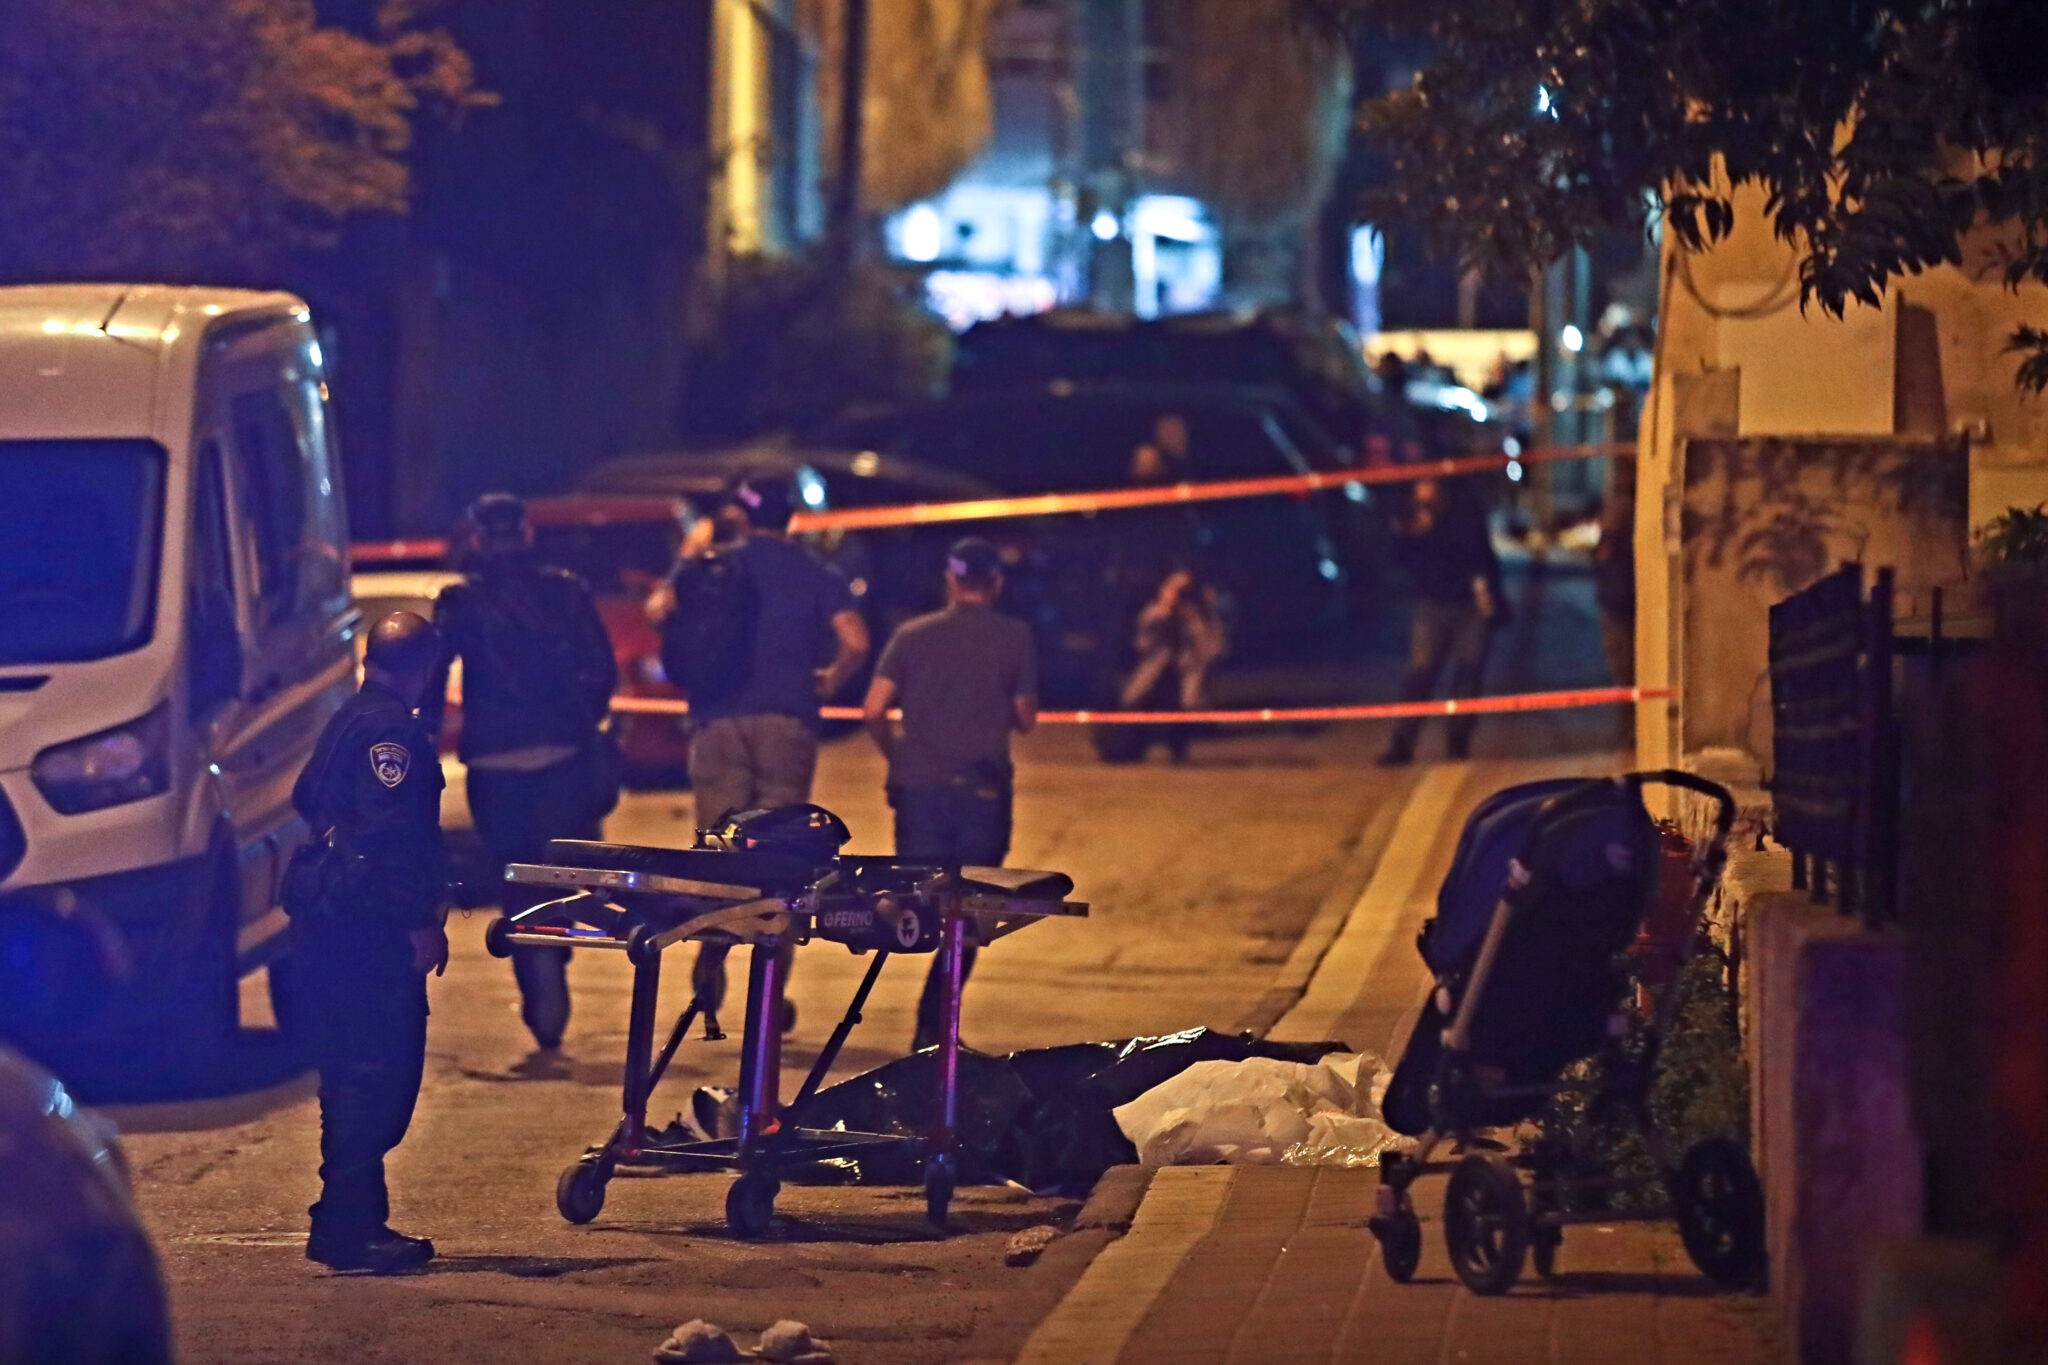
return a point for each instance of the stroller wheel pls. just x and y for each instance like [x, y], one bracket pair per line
[579, 1191]
[750, 1204]
[1720, 1208]
[1486, 1223]
[1400, 1238]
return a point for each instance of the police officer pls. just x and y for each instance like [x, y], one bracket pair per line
[370, 931]
[538, 675]
[966, 678]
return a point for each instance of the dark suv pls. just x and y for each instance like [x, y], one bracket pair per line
[1275, 557]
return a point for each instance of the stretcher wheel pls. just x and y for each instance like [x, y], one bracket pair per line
[1720, 1208]
[1400, 1239]
[750, 1204]
[1486, 1223]
[494, 937]
[579, 1192]
[640, 947]
[939, 1183]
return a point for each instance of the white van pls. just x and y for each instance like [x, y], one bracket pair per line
[175, 623]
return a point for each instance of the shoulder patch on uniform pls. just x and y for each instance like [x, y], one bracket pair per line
[391, 762]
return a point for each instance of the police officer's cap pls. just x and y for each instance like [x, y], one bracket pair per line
[767, 502]
[403, 643]
[974, 560]
[498, 514]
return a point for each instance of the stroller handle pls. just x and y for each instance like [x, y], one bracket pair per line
[1724, 800]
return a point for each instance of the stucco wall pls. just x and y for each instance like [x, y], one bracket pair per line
[1736, 357]
[1763, 518]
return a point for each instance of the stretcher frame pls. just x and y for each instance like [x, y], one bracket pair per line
[771, 1135]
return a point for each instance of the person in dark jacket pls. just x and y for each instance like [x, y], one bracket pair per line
[1444, 544]
[538, 673]
[372, 795]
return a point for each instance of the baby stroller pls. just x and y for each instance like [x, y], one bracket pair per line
[1550, 885]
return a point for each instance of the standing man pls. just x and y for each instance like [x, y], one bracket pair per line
[966, 678]
[1444, 544]
[538, 675]
[365, 902]
[754, 746]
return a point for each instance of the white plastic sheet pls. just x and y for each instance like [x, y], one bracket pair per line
[1263, 1112]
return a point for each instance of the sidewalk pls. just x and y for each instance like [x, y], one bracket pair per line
[1254, 1265]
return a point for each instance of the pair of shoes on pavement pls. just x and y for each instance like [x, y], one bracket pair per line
[698, 1342]
[381, 1251]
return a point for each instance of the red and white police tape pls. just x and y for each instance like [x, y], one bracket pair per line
[1104, 500]
[1214, 490]
[1281, 715]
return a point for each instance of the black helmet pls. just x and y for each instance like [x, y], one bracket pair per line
[403, 643]
[499, 516]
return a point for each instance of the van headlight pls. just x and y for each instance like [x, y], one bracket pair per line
[126, 763]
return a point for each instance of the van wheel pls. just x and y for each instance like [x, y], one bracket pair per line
[205, 1012]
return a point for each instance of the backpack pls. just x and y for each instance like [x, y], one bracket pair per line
[526, 646]
[707, 642]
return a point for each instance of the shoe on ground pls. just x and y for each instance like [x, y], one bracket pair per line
[382, 1252]
[787, 1014]
[1395, 758]
[698, 1342]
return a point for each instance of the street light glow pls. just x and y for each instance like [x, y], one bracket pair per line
[1105, 226]
[1574, 340]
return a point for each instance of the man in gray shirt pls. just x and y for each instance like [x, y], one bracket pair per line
[966, 678]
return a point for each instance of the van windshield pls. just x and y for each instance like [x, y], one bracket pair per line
[81, 527]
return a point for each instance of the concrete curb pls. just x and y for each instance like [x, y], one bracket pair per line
[1291, 981]
[1001, 1333]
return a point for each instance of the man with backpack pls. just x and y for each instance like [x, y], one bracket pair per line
[756, 631]
[538, 675]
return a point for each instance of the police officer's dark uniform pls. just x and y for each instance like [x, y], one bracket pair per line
[366, 913]
[538, 674]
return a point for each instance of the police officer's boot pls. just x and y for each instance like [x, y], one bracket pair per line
[381, 1251]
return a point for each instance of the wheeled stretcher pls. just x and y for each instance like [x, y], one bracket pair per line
[766, 879]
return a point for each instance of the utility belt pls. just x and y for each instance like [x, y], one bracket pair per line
[983, 782]
[322, 879]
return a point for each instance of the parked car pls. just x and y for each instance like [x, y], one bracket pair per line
[175, 625]
[1276, 557]
[1312, 358]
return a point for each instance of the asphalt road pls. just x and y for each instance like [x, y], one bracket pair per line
[1202, 877]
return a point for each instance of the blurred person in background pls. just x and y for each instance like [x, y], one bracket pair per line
[1179, 636]
[1443, 542]
[966, 679]
[538, 675]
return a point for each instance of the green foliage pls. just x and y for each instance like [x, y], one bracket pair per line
[188, 139]
[2014, 544]
[794, 341]
[1881, 131]
[1699, 1089]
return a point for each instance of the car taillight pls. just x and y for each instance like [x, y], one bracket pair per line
[126, 763]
